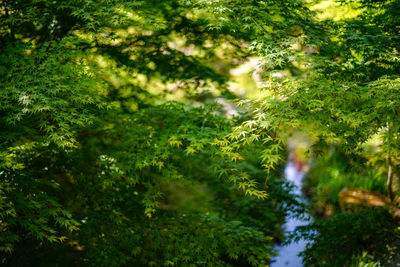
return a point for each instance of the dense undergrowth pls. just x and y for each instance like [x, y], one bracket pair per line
[365, 237]
[358, 234]
[337, 172]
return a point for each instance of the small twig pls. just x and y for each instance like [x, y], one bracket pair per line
[267, 179]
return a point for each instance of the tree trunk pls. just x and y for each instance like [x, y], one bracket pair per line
[389, 182]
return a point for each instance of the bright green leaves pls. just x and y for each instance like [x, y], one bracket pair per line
[150, 199]
[156, 140]
[55, 89]
[88, 133]
[174, 141]
[342, 89]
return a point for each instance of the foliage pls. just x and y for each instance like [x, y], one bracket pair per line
[344, 91]
[336, 172]
[340, 239]
[91, 144]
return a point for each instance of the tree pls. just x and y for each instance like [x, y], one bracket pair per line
[89, 140]
[343, 91]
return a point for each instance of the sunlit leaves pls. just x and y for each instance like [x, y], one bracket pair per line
[88, 134]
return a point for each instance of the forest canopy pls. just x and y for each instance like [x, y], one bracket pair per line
[115, 151]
